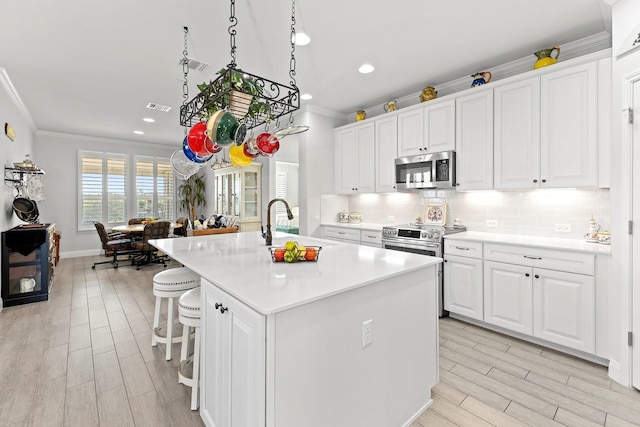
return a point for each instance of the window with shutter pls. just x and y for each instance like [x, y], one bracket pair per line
[155, 189]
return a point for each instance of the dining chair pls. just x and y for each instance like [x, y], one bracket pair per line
[148, 254]
[181, 231]
[113, 244]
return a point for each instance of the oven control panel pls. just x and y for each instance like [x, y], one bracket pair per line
[408, 233]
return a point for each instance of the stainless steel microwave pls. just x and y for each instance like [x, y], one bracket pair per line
[435, 170]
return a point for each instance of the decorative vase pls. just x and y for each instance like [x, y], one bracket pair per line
[390, 106]
[428, 93]
[545, 58]
[360, 115]
[479, 78]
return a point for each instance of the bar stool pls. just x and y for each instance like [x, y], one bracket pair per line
[170, 284]
[189, 315]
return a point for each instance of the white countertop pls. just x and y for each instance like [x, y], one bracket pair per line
[241, 265]
[362, 226]
[533, 241]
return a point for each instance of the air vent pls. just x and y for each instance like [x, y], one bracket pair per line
[154, 106]
[194, 64]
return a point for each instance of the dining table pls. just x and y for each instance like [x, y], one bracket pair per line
[138, 228]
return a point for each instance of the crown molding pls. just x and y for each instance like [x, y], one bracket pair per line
[15, 98]
[587, 45]
[100, 139]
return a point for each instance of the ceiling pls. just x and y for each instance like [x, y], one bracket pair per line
[91, 68]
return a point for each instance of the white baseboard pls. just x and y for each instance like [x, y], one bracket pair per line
[418, 413]
[78, 254]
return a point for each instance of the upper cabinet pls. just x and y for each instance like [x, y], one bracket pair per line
[430, 129]
[386, 144]
[355, 149]
[474, 141]
[569, 126]
[546, 131]
[516, 143]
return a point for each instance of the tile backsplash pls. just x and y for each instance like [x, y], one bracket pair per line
[531, 212]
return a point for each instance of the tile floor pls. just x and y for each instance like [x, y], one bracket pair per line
[84, 358]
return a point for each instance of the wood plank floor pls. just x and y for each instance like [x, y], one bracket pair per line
[84, 358]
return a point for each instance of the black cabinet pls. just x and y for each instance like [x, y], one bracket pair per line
[27, 263]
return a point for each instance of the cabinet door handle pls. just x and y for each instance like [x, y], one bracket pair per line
[532, 257]
[544, 180]
[526, 274]
[222, 309]
[535, 180]
[340, 233]
[445, 260]
[536, 276]
[461, 248]
[457, 184]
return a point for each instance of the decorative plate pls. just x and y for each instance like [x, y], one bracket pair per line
[436, 213]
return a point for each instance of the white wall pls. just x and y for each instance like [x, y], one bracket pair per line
[317, 165]
[57, 155]
[13, 112]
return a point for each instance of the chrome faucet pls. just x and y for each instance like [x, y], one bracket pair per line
[267, 235]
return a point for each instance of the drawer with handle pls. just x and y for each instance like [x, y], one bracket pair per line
[371, 238]
[463, 248]
[339, 233]
[552, 259]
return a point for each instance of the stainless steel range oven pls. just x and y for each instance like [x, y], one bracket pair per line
[420, 239]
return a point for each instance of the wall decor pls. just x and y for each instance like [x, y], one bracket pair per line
[8, 130]
[436, 213]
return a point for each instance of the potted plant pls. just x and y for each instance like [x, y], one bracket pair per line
[192, 195]
[237, 91]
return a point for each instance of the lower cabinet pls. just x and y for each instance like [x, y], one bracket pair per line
[233, 362]
[564, 306]
[463, 286]
[353, 235]
[508, 298]
[522, 289]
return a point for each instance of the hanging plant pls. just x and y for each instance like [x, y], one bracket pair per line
[237, 92]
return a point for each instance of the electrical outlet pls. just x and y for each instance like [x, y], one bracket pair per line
[367, 332]
[563, 228]
[492, 223]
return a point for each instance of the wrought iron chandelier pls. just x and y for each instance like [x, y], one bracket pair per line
[253, 99]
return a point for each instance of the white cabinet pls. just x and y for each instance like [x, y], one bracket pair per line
[474, 141]
[233, 361]
[463, 279]
[440, 126]
[238, 193]
[508, 299]
[463, 286]
[545, 293]
[355, 148]
[546, 130]
[564, 309]
[411, 133]
[569, 138]
[430, 129]
[371, 238]
[354, 235]
[386, 143]
[517, 135]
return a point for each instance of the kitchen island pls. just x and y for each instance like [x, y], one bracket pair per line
[349, 340]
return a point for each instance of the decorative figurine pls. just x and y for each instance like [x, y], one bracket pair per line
[361, 115]
[390, 106]
[545, 58]
[479, 79]
[428, 93]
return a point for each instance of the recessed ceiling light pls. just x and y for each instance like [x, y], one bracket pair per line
[302, 39]
[149, 120]
[366, 68]
[306, 96]
[138, 132]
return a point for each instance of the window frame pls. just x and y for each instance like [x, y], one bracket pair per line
[104, 156]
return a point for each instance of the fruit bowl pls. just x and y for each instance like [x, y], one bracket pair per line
[296, 254]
